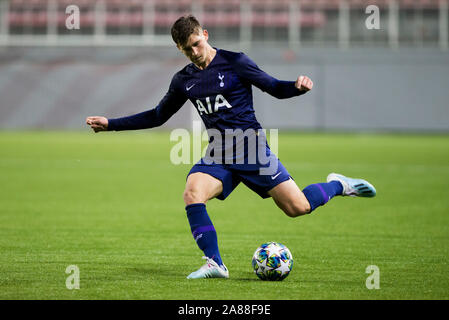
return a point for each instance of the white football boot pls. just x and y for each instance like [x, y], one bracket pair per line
[353, 187]
[210, 270]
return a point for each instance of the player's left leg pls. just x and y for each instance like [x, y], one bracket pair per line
[290, 199]
[295, 202]
[273, 180]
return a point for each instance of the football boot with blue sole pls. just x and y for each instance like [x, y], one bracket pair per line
[353, 187]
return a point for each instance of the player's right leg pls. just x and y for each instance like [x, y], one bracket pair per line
[200, 188]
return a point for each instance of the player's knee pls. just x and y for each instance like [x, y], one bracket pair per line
[192, 195]
[297, 209]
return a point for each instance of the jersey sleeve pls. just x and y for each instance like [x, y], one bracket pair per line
[173, 100]
[248, 70]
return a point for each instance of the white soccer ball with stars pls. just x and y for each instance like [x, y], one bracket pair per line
[272, 261]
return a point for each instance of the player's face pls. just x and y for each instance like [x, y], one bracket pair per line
[196, 48]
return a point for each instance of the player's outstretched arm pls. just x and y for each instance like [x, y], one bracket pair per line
[173, 100]
[303, 83]
[97, 123]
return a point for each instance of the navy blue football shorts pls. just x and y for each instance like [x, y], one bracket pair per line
[252, 175]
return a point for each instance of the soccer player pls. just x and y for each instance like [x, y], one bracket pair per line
[219, 84]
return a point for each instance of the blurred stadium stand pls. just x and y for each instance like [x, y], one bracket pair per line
[122, 58]
[294, 21]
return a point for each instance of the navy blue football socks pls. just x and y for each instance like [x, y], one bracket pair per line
[320, 193]
[203, 231]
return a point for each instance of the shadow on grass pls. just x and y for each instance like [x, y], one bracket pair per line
[154, 270]
[166, 271]
[245, 279]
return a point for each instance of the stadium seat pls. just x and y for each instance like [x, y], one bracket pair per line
[216, 13]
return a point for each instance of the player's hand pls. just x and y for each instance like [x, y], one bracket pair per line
[304, 83]
[97, 123]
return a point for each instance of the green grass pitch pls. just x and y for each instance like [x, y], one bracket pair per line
[111, 204]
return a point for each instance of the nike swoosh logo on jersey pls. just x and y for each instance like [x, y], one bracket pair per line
[188, 88]
[275, 176]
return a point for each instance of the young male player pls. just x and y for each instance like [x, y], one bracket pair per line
[218, 83]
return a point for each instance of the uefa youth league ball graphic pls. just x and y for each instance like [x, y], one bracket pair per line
[272, 261]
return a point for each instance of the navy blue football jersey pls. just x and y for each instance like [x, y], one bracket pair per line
[221, 93]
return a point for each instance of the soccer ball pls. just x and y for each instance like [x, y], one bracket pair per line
[272, 261]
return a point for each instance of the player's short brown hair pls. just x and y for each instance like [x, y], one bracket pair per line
[183, 28]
